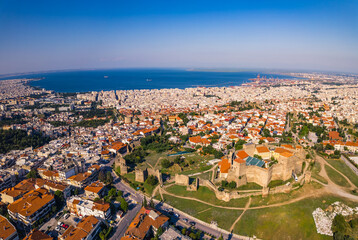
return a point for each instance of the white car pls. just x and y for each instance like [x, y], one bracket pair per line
[58, 228]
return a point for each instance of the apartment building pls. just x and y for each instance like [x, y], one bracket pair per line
[146, 224]
[86, 229]
[83, 207]
[32, 206]
[95, 190]
[7, 230]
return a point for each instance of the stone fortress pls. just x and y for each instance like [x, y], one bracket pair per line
[277, 163]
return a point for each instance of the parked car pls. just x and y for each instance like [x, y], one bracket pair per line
[57, 228]
[192, 223]
[185, 220]
[67, 215]
[59, 223]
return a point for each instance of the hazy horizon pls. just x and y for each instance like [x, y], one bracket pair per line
[285, 35]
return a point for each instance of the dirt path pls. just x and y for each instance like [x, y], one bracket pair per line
[156, 164]
[238, 219]
[198, 173]
[324, 174]
[155, 191]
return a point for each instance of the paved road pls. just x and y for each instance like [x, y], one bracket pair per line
[130, 196]
[349, 164]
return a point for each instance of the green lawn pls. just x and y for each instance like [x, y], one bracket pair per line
[276, 183]
[293, 221]
[224, 217]
[206, 176]
[149, 188]
[199, 164]
[143, 186]
[336, 177]
[196, 169]
[154, 157]
[343, 168]
[130, 176]
[205, 194]
[315, 172]
[283, 197]
[250, 186]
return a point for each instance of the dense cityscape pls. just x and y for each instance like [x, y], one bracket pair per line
[193, 163]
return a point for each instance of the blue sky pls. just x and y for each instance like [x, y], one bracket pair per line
[49, 35]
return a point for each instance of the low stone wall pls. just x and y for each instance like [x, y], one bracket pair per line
[181, 179]
[226, 196]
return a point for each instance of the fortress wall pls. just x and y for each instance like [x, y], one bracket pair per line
[181, 179]
[277, 171]
[261, 176]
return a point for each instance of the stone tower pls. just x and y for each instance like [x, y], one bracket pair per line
[141, 175]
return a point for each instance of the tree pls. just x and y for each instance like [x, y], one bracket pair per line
[266, 133]
[193, 236]
[112, 193]
[102, 176]
[224, 183]
[59, 198]
[109, 178]
[152, 180]
[124, 204]
[144, 202]
[329, 147]
[75, 191]
[165, 163]
[32, 174]
[151, 203]
[160, 231]
[232, 185]
[178, 160]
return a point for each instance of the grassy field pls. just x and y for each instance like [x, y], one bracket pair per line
[199, 164]
[336, 177]
[154, 157]
[276, 183]
[283, 197]
[224, 217]
[205, 194]
[293, 221]
[343, 168]
[315, 172]
[206, 176]
[250, 186]
[149, 188]
[143, 186]
[130, 176]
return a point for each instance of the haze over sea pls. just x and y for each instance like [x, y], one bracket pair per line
[127, 79]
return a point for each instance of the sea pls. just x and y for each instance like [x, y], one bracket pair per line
[128, 79]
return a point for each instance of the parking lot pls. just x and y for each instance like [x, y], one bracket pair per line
[55, 229]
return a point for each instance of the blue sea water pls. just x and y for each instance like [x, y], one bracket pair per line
[125, 79]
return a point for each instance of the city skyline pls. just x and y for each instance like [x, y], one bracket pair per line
[42, 36]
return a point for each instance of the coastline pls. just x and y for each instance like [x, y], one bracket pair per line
[103, 80]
